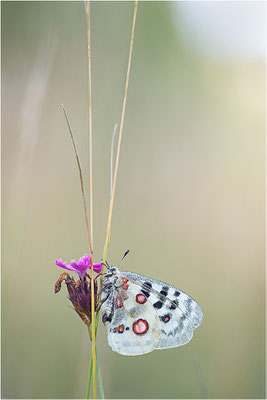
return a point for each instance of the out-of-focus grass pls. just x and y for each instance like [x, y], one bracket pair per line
[190, 196]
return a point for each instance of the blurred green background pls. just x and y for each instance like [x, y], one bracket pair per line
[189, 201]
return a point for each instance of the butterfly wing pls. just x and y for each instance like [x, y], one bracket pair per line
[132, 329]
[178, 314]
[145, 314]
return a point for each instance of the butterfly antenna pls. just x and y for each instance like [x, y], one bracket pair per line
[107, 265]
[125, 254]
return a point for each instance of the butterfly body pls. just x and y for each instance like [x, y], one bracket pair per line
[143, 314]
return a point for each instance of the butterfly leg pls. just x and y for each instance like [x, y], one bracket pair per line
[100, 274]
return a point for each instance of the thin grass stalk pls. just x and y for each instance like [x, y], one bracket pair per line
[99, 376]
[87, 12]
[91, 192]
[81, 176]
[111, 158]
[100, 382]
[120, 137]
[89, 378]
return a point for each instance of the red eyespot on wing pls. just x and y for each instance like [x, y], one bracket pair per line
[115, 330]
[118, 302]
[124, 280]
[140, 327]
[140, 298]
[165, 318]
[121, 328]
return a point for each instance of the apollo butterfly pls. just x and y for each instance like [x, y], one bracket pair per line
[143, 314]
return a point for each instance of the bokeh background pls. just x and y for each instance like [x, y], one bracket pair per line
[190, 196]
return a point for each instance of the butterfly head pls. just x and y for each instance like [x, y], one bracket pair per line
[113, 276]
[114, 270]
[110, 269]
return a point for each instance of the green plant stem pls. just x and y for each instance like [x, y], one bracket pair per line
[89, 379]
[100, 382]
[87, 12]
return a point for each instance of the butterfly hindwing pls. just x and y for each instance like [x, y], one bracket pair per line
[133, 329]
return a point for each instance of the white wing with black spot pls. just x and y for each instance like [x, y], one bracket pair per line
[143, 314]
[132, 329]
[178, 313]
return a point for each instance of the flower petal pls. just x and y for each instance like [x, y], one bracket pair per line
[74, 264]
[60, 263]
[98, 267]
[82, 266]
[85, 260]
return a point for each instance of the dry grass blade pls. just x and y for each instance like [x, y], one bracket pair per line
[81, 175]
[87, 12]
[120, 136]
[111, 158]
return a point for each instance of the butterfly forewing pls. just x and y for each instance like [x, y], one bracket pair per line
[178, 313]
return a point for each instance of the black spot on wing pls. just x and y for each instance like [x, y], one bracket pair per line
[145, 293]
[164, 290]
[158, 304]
[146, 289]
[147, 285]
[174, 304]
[177, 293]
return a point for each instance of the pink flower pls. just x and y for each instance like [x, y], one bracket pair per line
[81, 267]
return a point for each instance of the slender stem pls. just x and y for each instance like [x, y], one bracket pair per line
[100, 382]
[81, 176]
[90, 114]
[91, 192]
[120, 135]
[89, 379]
[111, 158]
